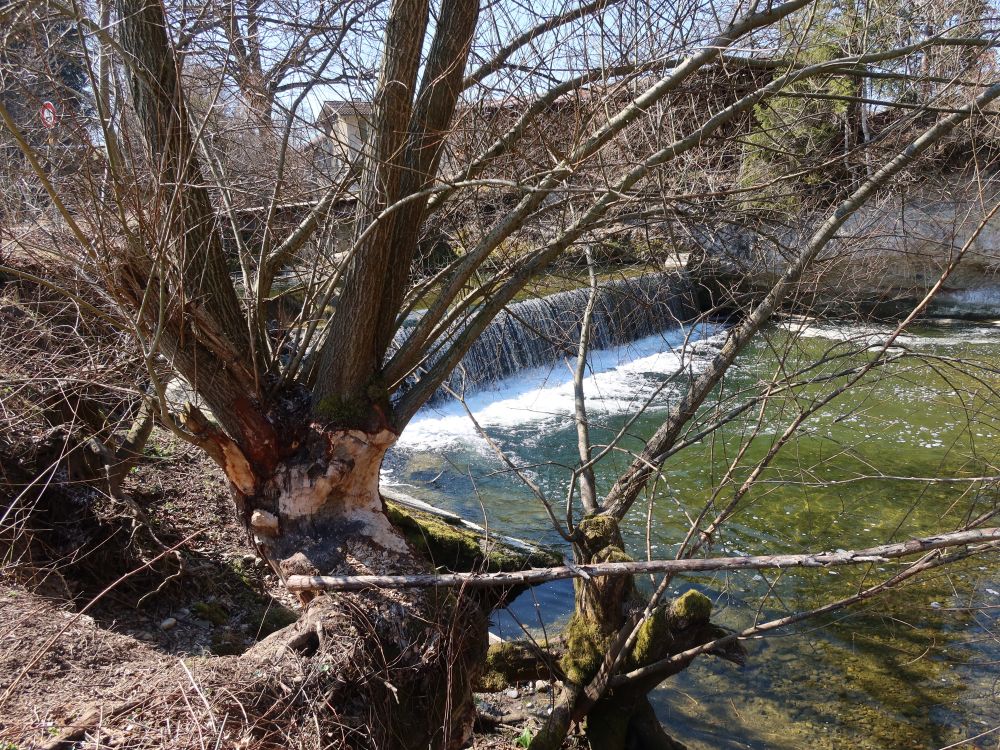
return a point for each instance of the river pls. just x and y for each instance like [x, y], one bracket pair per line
[917, 668]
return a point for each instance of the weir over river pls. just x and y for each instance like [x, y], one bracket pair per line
[543, 331]
[917, 668]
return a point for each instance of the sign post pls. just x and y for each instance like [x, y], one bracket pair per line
[48, 114]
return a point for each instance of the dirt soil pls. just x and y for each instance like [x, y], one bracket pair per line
[127, 661]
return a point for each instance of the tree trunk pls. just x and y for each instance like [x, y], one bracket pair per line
[623, 717]
[320, 509]
[401, 663]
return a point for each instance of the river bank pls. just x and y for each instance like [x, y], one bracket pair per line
[886, 258]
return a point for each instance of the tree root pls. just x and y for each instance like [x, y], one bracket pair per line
[397, 671]
[511, 662]
[76, 732]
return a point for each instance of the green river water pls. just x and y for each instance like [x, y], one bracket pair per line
[916, 668]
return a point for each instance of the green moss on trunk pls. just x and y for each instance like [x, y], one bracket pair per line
[622, 717]
[510, 662]
[585, 648]
[457, 548]
[691, 608]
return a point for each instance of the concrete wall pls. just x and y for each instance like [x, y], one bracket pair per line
[891, 252]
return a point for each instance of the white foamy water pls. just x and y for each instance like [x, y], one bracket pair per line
[862, 334]
[541, 399]
[987, 297]
[538, 401]
[872, 336]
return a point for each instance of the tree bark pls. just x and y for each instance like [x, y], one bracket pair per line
[407, 659]
[403, 663]
[619, 718]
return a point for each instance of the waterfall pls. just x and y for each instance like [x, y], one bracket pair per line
[542, 332]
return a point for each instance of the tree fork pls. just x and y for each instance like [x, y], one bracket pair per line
[603, 607]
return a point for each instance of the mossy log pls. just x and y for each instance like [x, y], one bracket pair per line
[453, 544]
[511, 662]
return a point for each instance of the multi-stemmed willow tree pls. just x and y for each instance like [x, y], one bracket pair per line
[558, 134]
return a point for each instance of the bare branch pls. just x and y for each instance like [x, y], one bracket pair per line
[881, 553]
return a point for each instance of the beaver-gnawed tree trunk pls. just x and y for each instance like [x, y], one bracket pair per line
[404, 661]
[304, 463]
[319, 509]
[300, 423]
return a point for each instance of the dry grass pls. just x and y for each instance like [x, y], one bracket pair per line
[86, 663]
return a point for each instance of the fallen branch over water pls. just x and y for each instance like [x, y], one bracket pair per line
[882, 553]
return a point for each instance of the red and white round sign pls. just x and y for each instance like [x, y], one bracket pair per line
[48, 114]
